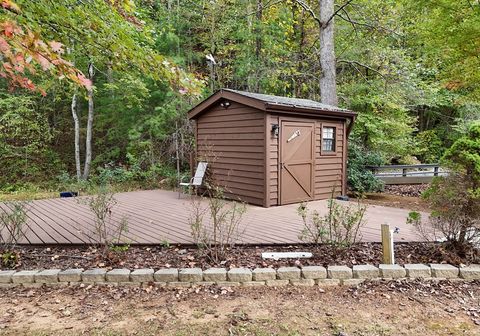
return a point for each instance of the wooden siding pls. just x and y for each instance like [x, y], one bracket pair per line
[233, 142]
[273, 164]
[329, 169]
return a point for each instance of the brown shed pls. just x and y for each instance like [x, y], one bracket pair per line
[268, 150]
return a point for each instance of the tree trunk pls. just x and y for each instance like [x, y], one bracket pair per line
[88, 140]
[76, 123]
[328, 88]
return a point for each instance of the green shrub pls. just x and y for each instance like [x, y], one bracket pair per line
[360, 178]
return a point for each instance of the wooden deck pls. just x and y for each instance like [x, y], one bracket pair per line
[157, 216]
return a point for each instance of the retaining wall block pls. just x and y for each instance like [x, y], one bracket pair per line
[352, 282]
[190, 275]
[418, 271]
[314, 272]
[24, 277]
[239, 275]
[365, 272]
[94, 275]
[253, 283]
[339, 272]
[142, 275]
[263, 274]
[70, 275]
[288, 273]
[215, 274]
[6, 276]
[471, 272]
[47, 276]
[392, 271]
[118, 275]
[228, 283]
[302, 282]
[166, 275]
[327, 282]
[445, 271]
[277, 283]
[179, 284]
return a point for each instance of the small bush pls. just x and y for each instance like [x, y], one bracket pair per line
[13, 217]
[360, 178]
[339, 227]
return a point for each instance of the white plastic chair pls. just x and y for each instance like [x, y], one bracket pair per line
[197, 180]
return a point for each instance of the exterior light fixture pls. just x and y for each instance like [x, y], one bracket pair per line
[275, 130]
[225, 103]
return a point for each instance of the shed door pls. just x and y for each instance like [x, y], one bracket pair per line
[297, 145]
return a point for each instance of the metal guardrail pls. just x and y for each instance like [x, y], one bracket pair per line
[408, 174]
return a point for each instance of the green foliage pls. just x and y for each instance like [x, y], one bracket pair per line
[360, 178]
[13, 218]
[429, 146]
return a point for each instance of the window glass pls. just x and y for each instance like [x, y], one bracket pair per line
[328, 139]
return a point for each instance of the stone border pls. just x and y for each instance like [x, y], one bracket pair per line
[187, 277]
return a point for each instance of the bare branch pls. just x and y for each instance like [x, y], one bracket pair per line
[310, 10]
[355, 63]
[365, 24]
[337, 11]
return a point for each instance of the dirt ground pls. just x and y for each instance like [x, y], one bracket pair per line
[386, 308]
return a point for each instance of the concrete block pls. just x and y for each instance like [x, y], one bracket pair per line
[57, 284]
[24, 277]
[215, 274]
[190, 275]
[444, 271]
[47, 276]
[352, 282]
[159, 284]
[6, 276]
[418, 271]
[263, 274]
[239, 275]
[70, 275]
[130, 284]
[327, 282]
[339, 272]
[118, 275]
[314, 272]
[204, 283]
[8, 285]
[166, 275]
[253, 283]
[289, 273]
[32, 285]
[227, 283]
[471, 272]
[392, 271]
[94, 275]
[277, 283]
[302, 282]
[365, 272]
[179, 284]
[142, 275]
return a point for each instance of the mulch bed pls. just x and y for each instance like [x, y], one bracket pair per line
[413, 190]
[241, 256]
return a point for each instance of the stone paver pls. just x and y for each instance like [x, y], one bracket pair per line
[215, 274]
[352, 282]
[277, 283]
[314, 272]
[392, 271]
[6, 276]
[47, 276]
[339, 272]
[118, 275]
[142, 275]
[70, 275]
[418, 271]
[471, 272]
[365, 272]
[24, 277]
[166, 275]
[263, 274]
[253, 283]
[239, 275]
[445, 271]
[190, 275]
[288, 273]
[302, 282]
[327, 282]
[94, 275]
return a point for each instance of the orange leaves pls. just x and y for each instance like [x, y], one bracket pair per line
[10, 5]
[21, 50]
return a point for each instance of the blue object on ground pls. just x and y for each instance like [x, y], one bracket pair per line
[343, 198]
[64, 194]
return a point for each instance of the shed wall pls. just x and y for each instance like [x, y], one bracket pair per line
[233, 141]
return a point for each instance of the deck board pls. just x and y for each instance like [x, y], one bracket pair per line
[158, 216]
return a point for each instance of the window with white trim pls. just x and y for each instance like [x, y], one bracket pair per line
[328, 139]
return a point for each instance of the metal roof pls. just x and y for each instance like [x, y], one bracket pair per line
[286, 101]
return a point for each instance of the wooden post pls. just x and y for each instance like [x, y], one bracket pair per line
[387, 245]
[435, 171]
[404, 172]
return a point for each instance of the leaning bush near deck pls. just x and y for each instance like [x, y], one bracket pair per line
[215, 222]
[360, 178]
[455, 199]
[13, 217]
[340, 226]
